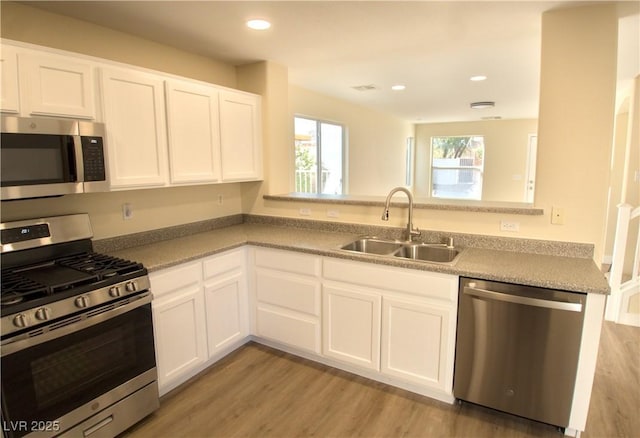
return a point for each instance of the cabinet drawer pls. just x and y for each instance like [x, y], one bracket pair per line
[293, 330]
[421, 283]
[221, 263]
[171, 279]
[289, 291]
[288, 261]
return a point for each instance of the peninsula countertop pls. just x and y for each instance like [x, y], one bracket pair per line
[576, 274]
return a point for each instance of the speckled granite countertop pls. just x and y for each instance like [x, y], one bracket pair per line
[577, 274]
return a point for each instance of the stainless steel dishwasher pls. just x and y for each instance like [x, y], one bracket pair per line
[517, 349]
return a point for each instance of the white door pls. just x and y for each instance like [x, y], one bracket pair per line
[227, 311]
[351, 325]
[57, 86]
[180, 336]
[9, 92]
[193, 124]
[240, 136]
[134, 115]
[414, 341]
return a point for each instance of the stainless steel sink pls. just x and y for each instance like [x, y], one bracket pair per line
[372, 245]
[425, 252]
[428, 253]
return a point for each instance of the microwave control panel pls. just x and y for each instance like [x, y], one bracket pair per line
[93, 159]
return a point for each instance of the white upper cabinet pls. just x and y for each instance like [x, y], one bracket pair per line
[9, 91]
[162, 130]
[134, 113]
[193, 125]
[56, 86]
[240, 136]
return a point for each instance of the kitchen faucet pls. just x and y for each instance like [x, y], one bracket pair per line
[411, 232]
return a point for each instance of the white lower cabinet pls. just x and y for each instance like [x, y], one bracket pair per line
[179, 323]
[287, 298]
[390, 324]
[200, 313]
[399, 322]
[351, 325]
[415, 341]
[226, 306]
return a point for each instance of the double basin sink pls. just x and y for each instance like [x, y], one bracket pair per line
[426, 252]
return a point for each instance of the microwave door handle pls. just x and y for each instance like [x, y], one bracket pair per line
[77, 156]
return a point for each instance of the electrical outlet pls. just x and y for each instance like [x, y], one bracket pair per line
[557, 216]
[333, 213]
[305, 212]
[127, 211]
[220, 199]
[509, 226]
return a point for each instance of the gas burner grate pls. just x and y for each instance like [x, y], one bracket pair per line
[17, 288]
[100, 265]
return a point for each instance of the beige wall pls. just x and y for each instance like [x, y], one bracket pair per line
[374, 138]
[31, 25]
[577, 98]
[575, 131]
[505, 155]
[574, 144]
[153, 208]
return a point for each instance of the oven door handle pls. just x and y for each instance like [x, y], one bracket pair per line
[74, 324]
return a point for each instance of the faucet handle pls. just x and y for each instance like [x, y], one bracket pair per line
[449, 242]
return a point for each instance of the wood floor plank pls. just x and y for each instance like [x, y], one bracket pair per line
[258, 392]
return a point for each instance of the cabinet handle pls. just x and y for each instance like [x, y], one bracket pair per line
[527, 301]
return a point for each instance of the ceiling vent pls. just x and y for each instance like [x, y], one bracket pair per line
[365, 87]
[482, 105]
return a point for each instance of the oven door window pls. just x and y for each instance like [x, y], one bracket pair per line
[29, 159]
[48, 380]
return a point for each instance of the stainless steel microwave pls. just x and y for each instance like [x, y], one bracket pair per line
[43, 157]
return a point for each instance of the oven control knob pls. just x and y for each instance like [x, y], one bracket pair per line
[81, 302]
[114, 291]
[131, 286]
[43, 314]
[20, 320]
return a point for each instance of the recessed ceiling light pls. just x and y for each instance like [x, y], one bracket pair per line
[481, 105]
[258, 24]
[478, 78]
[398, 87]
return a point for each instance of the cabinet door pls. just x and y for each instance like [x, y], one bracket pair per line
[9, 93]
[288, 308]
[134, 114]
[415, 338]
[351, 325]
[240, 136]
[57, 86]
[227, 311]
[194, 132]
[180, 336]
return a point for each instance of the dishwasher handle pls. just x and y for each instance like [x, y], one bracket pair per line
[517, 299]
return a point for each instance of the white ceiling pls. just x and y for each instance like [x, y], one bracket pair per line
[331, 46]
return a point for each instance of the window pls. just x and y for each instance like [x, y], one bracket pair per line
[457, 165]
[319, 155]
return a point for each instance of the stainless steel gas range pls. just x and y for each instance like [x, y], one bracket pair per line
[77, 349]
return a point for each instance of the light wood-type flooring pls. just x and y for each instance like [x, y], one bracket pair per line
[260, 392]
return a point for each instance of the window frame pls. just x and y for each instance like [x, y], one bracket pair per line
[318, 141]
[479, 169]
